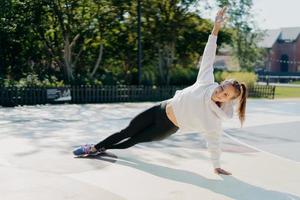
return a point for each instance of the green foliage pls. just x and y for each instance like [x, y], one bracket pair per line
[245, 33]
[32, 80]
[59, 42]
[149, 75]
[183, 76]
[218, 75]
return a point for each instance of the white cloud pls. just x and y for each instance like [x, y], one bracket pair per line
[269, 14]
[272, 14]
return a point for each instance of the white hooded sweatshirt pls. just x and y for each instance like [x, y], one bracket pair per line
[194, 109]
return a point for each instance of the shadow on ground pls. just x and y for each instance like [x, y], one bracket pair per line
[229, 186]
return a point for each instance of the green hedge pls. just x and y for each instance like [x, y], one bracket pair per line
[183, 76]
[249, 78]
[188, 75]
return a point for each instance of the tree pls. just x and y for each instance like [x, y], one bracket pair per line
[88, 41]
[174, 35]
[245, 32]
[16, 39]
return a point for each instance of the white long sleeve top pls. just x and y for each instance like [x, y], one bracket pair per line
[194, 109]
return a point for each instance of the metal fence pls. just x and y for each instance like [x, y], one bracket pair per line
[262, 91]
[278, 77]
[14, 96]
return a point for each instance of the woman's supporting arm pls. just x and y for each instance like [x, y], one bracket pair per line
[214, 147]
[213, 140]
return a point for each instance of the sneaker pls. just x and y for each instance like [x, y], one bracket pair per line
[85, 150]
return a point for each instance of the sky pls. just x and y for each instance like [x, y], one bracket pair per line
[271, 14]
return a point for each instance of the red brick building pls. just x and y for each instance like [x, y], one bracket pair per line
[283, 46]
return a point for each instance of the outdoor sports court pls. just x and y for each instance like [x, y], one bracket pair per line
[36, 159]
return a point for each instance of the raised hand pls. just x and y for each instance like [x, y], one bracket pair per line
[220, 17]
[219, 20]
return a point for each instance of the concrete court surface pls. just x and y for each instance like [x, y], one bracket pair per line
[36, 161]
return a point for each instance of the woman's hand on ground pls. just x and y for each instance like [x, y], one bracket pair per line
[221, 171]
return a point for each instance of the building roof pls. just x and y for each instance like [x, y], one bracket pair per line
[269, 38]
[289, 34]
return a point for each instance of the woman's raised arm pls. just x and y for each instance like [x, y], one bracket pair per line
[205, 74]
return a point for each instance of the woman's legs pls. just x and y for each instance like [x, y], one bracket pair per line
[138, 123]
[153, 133]
[150, 125]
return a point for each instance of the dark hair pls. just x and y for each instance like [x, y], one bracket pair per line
[242, 94]
[242, 103]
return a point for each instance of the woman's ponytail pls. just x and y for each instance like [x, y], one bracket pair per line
[242, 103]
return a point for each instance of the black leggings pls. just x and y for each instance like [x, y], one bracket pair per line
[150, 125]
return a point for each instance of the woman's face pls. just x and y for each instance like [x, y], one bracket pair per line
[223, 93]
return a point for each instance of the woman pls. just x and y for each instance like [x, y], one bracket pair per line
[199, 107]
